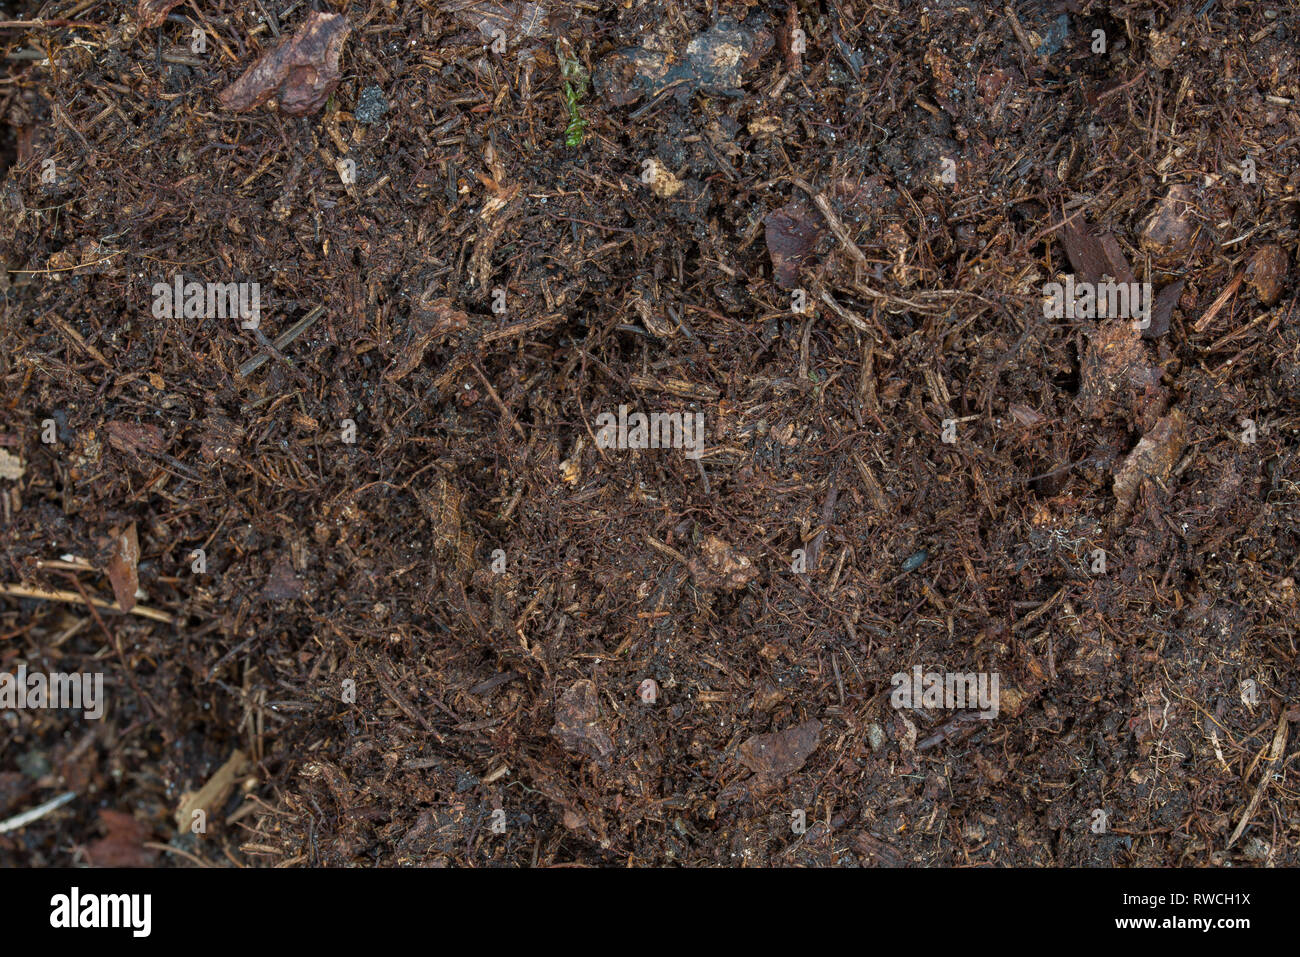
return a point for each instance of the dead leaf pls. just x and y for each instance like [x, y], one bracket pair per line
[720, 566]
[301, 72]
[429, 321]
[792, 232]
[122, 567]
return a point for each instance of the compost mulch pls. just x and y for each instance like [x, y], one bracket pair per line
[365, 582]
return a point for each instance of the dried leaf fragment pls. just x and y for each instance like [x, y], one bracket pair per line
[1025, 415]
[11, 466]
[662, 181]
[301, 72]
[576, 727]
[453, 541]
[1170, 230]
[792, 232]
[282, 584]
[720, 566]
[123, 842]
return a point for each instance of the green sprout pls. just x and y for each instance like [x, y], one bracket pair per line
[575, 88]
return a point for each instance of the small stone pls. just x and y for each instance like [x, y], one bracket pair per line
[875, 736]
[915, 561]
[371, 106]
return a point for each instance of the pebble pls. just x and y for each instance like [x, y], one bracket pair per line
[371, 106]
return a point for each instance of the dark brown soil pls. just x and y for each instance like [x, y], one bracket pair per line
[431, 596]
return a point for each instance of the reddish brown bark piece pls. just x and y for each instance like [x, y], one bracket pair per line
[782, 753]
[1162, 311]
[792, 231]
[123, 573]
[136, 437]
[301, 72]
[576, 715]
[153, 13]
[1094, 256]
[123, 842]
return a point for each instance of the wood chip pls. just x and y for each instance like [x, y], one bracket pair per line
[213, 795]
[122, 567]
[1153, 458]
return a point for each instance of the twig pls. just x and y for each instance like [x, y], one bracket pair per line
[497, 399]
[1279, 745]
[1019, 31]
[853, 320]
[21, 591]
[665, 549]
[36, 813]
[1228, 291]
[159, 846]
[832, 220]
[282, 340]
[40, 24]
